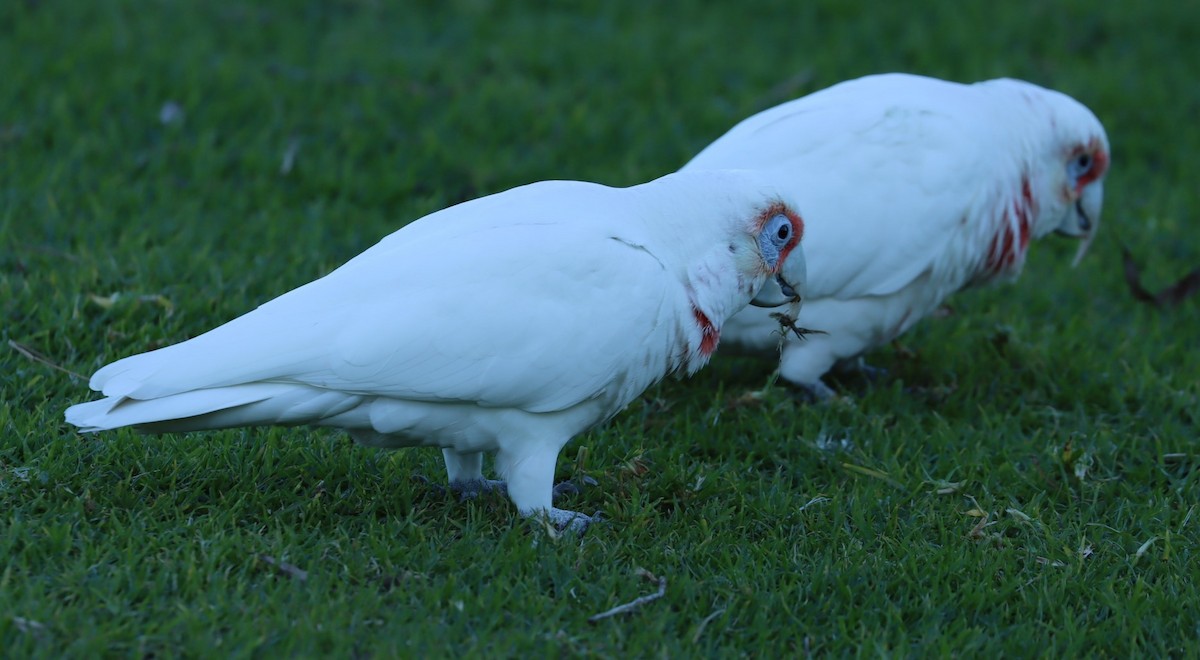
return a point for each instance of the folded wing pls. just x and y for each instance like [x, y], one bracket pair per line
[532, 316]
[898, 136]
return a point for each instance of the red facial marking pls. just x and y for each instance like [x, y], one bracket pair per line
[779, 208]
[709, 335]
[1099, 164]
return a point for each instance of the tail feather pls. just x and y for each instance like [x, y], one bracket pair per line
[252, 404]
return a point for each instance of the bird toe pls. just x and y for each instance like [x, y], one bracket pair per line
[566, 488]
[572, 521]
[468, 490]
[814, 392]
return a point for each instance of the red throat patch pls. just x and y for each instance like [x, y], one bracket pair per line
[709, 335]
[1008, 246]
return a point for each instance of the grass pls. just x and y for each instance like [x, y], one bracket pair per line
[1024, 483]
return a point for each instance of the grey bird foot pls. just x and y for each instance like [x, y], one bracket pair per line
[572, 521]
[469, 490]
[816, 392]
[872, 373]
[859, 366]
[569, 488]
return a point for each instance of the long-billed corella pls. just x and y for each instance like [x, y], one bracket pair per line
[510, 323]
[912, 188]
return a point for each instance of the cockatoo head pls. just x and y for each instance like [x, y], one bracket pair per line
[1075, 166]
[775, 255]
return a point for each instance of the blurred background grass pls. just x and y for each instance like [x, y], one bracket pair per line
[1024, 481]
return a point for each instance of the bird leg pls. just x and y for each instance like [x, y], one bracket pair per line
[529, 470]
[565, 488]
[465, 472]
[860, 366]
[814, 392]
[469, 490]
[572, 521]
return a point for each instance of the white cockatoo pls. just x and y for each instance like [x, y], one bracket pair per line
[912, 188]
[510, 323]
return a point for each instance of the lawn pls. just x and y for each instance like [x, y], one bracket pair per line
[1025, 481]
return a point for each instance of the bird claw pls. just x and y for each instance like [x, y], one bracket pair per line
[570, 488]
[815, 392]
[860, 366]
[469, 490]
[872, 373]
[572, 521]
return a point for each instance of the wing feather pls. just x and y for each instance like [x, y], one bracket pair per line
[532, 316]
[904, 135]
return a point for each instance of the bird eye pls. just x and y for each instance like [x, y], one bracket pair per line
[781, 228]
[1081, 165]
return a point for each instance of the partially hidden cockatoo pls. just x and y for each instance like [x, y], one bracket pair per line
[912, 188]
[510, 323]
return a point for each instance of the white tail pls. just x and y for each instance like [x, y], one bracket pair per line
[252, 404]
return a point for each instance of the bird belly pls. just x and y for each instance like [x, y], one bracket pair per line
[461, 426]
[850, 327]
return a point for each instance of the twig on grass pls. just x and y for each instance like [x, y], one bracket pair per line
[1169, 296]
[286, 568]
[636, 602]
[704, 623]
[38, 357]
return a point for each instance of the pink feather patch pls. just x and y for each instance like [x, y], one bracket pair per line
[1008, 245]
[709, 335]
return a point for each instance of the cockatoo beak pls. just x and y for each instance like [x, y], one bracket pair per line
[776, 292]
[1085, 220]
[788, 285]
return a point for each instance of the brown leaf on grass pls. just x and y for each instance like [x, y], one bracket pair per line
[747, 399]
[635, 467]
[977, 531]
[903, 352]
[1170, 296]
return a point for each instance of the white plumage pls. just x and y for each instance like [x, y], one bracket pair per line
[912, 188]
[510, 323]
